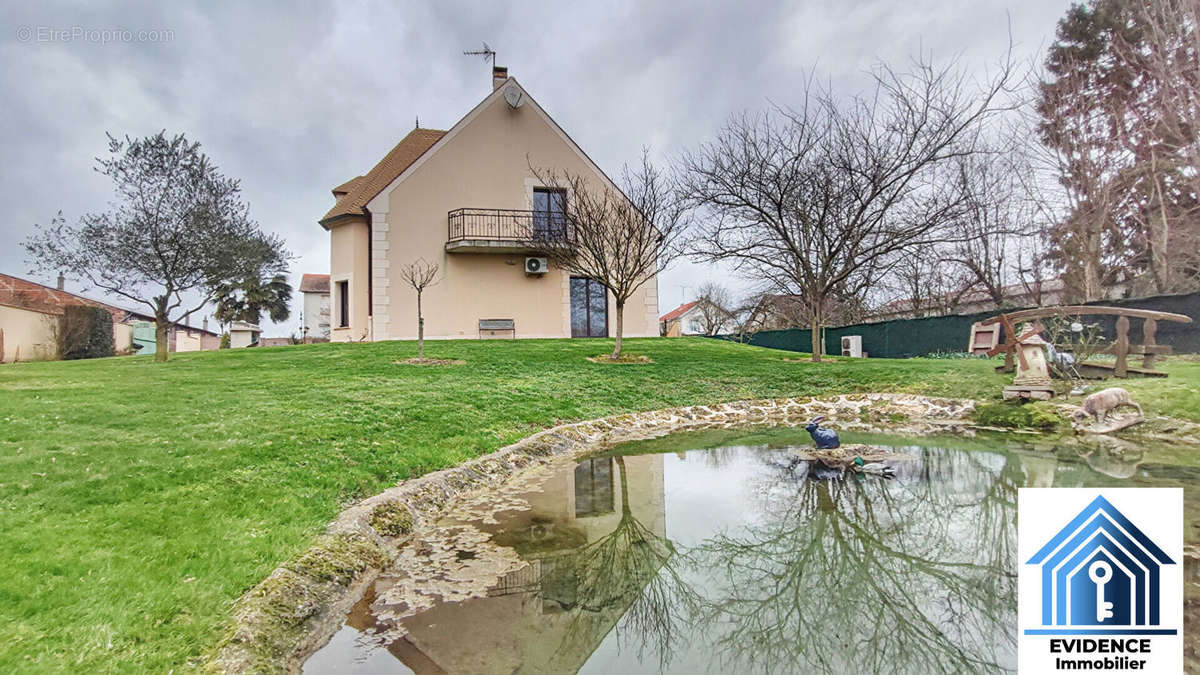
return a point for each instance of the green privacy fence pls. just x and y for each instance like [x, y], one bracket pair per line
[904, 338]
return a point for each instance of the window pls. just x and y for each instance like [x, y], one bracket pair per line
[549, 213]
[343, 296]
[594, 487]
[589, 308]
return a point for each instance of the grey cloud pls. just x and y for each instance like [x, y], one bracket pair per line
[294, 98]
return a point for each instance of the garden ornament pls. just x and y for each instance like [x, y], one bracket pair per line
[1100, 404]
[826, 439]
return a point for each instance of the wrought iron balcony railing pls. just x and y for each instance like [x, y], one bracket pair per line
[508, 225]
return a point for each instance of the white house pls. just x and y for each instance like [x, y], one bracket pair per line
[689, 319]
[315, 289]
[243, 334]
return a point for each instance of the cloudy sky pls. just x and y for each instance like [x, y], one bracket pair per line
[294, 98]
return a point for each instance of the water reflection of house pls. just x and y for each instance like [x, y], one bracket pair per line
[534, 620]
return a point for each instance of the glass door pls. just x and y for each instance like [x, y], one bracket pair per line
[589, 308]
[549, 213]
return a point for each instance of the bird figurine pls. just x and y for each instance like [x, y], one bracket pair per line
[826, 439]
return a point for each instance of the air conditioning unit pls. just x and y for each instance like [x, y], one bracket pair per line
[536, 266]
[852, 346]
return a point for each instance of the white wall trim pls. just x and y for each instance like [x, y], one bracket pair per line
[335, 306]
[380, 270]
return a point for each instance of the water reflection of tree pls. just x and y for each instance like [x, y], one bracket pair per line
[631, 572]
[908, 575]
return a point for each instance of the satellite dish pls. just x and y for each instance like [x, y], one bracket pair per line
[513, 96]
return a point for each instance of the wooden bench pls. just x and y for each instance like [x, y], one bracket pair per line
[493, 328]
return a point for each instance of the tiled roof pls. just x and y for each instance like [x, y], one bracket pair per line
[16, 292]
[346, 187]
[678, 311]
[364, 188]
[314, 283]
[22, 294]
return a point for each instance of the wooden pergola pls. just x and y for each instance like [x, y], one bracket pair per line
[1120, 348]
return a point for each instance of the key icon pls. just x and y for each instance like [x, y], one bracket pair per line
[1100, 572]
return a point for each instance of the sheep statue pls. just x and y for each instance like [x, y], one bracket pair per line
[826, 439]
[1100, 404]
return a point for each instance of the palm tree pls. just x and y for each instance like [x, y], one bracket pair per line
[249, 299]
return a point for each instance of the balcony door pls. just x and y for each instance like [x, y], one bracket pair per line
[589, 308]
[549, 213]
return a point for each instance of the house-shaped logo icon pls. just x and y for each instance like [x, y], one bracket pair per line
[1100, 576]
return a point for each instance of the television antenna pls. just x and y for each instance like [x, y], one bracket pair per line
[487, 53]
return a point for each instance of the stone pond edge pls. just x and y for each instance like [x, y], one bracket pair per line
[281, 621]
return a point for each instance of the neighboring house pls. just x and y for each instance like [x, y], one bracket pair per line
[180, 337]
[776, 312]
[468, 200]
[973, 301]
[1045, 293]
[243, 334]
[315, 289]
[30, 315]
[689, 319]
[671, 323]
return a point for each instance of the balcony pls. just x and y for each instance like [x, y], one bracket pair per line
[504, 231]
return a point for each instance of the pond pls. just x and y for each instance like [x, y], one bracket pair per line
[718, 551]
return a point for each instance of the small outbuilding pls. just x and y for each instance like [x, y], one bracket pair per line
[243, 334]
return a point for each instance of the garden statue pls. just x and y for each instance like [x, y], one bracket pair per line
[1100, 404]
[1033, 371]
[826, 439]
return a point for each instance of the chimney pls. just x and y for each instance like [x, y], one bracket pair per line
[62, 281]
[499, 77]
[205, 324]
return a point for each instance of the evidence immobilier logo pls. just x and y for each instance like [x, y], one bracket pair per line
[1100, 580]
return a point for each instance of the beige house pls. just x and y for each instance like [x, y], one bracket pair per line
[468, 200]
[31, 316]
[525, 622]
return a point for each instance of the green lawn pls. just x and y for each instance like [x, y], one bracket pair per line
[140, 499]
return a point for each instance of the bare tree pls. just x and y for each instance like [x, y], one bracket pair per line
[176, 232]
[997, 217]
[420, 274]
[714, 303]
[872, 575]
[819, 201]
[619, 237]
[927, 283]
[1034, 269]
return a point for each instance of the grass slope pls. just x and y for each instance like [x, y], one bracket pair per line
[140, 499]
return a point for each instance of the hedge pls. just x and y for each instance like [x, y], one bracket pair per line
[87, 333]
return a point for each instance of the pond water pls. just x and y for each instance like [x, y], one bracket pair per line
[717, 552]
